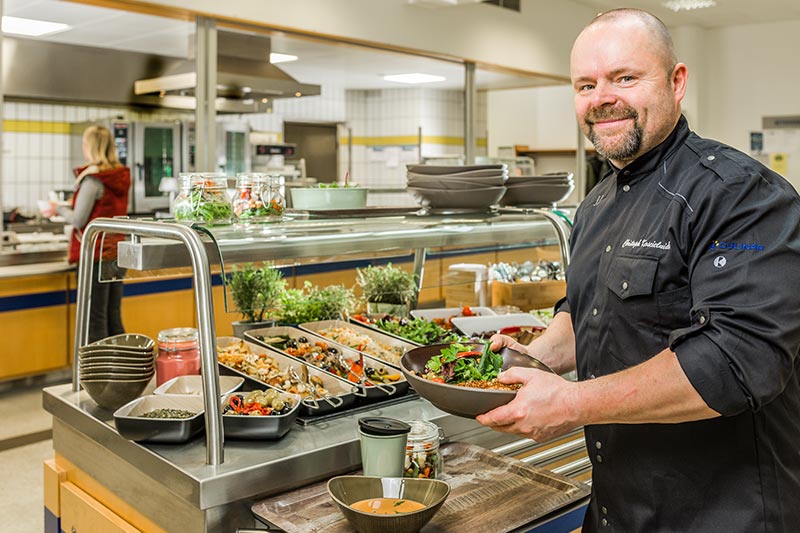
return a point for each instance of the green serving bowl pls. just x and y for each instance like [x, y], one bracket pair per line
[315, 198]
[347, 490]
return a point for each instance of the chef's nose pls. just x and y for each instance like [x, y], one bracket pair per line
[604, 93]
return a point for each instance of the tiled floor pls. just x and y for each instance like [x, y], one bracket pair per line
[24, 444]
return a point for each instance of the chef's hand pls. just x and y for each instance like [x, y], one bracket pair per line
[500, 341]
[48, 209]
[539, 411]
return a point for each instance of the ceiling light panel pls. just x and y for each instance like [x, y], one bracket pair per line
[275, 57]
[31, 27]
[413, 78]
[688, 5]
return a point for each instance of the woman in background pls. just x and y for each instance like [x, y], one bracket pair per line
[101, 190]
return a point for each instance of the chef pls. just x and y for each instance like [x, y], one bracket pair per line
[681, 315]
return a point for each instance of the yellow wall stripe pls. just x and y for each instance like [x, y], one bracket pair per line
[35, 126]
[408, 140]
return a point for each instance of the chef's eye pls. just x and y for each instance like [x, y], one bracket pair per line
[626, 79]
[585, 87]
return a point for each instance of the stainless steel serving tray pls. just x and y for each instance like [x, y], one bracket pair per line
[270, 427]
[370, 392]
[132, 425]
[342, 392]
[395, 343]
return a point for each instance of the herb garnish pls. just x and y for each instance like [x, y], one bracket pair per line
[459, 363]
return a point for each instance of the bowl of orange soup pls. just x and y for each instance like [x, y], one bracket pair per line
[388, 504]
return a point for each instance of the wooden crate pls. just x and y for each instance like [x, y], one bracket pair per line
[528, 295]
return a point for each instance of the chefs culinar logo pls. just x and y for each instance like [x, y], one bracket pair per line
[729, 245]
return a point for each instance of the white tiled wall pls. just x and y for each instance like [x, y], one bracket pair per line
[34, 162]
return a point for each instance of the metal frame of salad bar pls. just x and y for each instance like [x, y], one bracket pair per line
[211, 483]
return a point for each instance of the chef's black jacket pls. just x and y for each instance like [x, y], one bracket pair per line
[696, 247]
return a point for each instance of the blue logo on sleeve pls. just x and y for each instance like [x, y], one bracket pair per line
[729, 245]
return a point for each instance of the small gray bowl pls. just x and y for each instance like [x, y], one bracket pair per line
[112, 394]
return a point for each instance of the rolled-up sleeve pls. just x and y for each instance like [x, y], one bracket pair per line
[743, 341]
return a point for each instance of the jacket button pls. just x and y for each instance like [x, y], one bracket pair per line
[608, 248]
[702, 319]
[594, 312]
[604, 522]
[711, 158]
[604, 510]
[598, 445]
[626, 187]
[592, 376]
[599, 458]
[624, 285]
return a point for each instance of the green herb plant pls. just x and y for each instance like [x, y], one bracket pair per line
[386, 284]
[255, 290]
[312, 303]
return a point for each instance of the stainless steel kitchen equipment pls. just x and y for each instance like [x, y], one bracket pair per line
[152, 150]
[233, 148]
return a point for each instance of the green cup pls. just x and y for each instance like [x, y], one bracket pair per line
[383, 446]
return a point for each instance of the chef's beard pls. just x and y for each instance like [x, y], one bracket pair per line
[631, 141]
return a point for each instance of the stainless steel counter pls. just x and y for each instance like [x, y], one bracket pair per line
[172, 484]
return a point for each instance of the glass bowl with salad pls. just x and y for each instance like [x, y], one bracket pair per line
[461, 378]
[203, 198]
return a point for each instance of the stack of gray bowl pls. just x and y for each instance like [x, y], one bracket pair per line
[538, 191]
[457, 187]
[117, 369]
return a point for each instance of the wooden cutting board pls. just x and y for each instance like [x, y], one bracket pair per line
[488, 493]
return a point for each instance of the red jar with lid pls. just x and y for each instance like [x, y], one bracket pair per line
[178, 354]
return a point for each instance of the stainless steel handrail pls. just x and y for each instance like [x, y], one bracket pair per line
[551, 454]
[203, 300]
[563, 230]
[574, 468]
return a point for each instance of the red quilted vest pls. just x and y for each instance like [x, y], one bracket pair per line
[114, 202]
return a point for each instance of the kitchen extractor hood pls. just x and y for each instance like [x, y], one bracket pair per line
[244, 74]
[40, 70]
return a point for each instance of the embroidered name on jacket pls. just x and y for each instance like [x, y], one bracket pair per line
[727, 245]
[643, 243]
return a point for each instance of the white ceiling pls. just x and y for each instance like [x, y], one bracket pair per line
[347, 66]
[725, 13]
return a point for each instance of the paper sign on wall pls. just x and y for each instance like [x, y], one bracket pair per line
[779, 163]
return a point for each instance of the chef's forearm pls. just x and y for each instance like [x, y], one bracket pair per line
[556, 347]
[656, 391]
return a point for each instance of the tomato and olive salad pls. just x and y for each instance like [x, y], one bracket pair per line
[464, 366]
[330, 359]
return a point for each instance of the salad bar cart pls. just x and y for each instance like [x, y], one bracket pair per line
[212, 484]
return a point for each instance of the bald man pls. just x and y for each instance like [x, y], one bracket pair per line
[681, 315]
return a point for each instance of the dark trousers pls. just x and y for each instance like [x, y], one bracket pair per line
[105, 313]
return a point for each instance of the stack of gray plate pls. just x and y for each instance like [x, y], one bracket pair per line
[117, 369]
[457, 187]
[538, 191]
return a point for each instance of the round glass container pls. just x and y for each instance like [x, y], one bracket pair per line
[258, 197]
[203, 197]
[178, 354]
[423, 458]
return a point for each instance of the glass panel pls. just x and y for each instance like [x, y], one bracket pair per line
[235, 152]
[159, 154]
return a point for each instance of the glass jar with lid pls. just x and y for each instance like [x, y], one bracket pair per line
[258, 197]
[178, 354]
[203, 197]
[423, 459]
